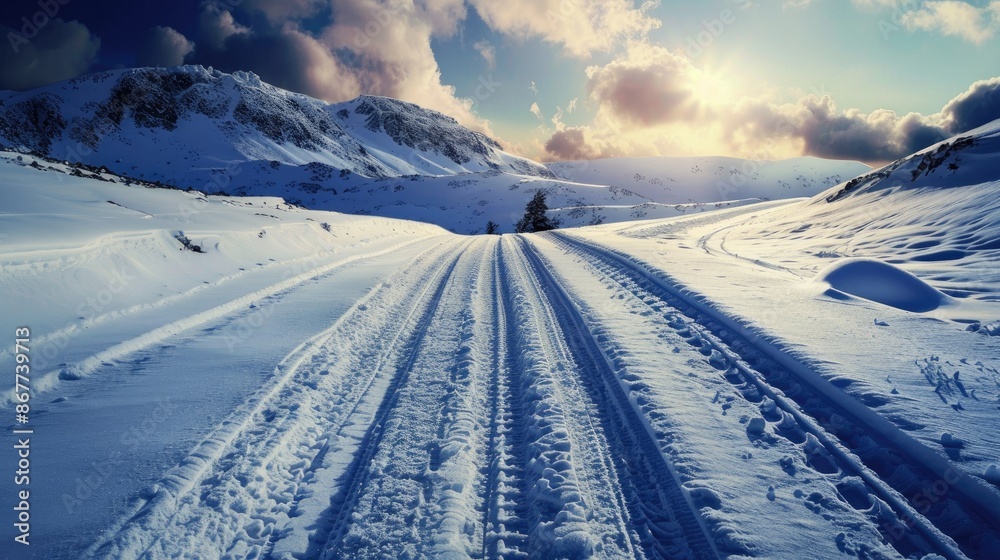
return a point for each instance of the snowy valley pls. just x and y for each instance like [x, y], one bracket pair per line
[779, 357]
[196, 128]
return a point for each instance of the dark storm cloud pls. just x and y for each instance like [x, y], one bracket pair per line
[977, 106]
[282, 10]
[878, 136]
[827, 132]
[283, 55]
[35, 55]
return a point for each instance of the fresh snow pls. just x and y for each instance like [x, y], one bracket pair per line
[238, 377]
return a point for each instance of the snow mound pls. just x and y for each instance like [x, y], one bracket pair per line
[883, 283]
[992, 474]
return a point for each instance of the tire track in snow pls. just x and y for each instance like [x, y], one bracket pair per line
[301, 264]
[248, 470]
[392, 501]
[652, 383]
[50, 380]
[853, 440]
[575, 501]
[660, 515]
[505, 517]
[353, 428]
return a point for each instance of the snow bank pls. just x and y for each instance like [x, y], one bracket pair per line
[883, 283]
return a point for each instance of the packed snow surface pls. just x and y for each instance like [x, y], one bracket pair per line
[237, 377]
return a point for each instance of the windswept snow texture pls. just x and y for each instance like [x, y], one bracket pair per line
[225, 377]
[198, 128]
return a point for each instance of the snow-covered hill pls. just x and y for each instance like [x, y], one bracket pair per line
[684, 180]
[192, 127]
[465, 203]
[934, 214]
[183, 125]
[879, 297]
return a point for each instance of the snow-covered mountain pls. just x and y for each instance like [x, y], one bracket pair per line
[194, 127]
[183, 125]
[683, 180]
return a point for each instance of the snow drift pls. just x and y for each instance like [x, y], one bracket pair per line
[882, 283]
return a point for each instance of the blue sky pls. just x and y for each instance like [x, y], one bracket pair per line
[862, 56]
[562, 79]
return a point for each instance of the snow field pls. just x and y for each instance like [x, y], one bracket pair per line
[254, 380]
[865, 444]
[248, 488]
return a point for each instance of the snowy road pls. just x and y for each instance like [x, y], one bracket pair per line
[474, 397]
[481, 397]
[456, 410]
[864, 456]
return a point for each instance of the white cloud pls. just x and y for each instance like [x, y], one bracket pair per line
[648, 85]
[875, 4]
[580, 26]
[391, 42]
[164, 46]
[956, 18]
[535, 110]
[443, 15]
[381, 47]
[487, 51]
[557, 119]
